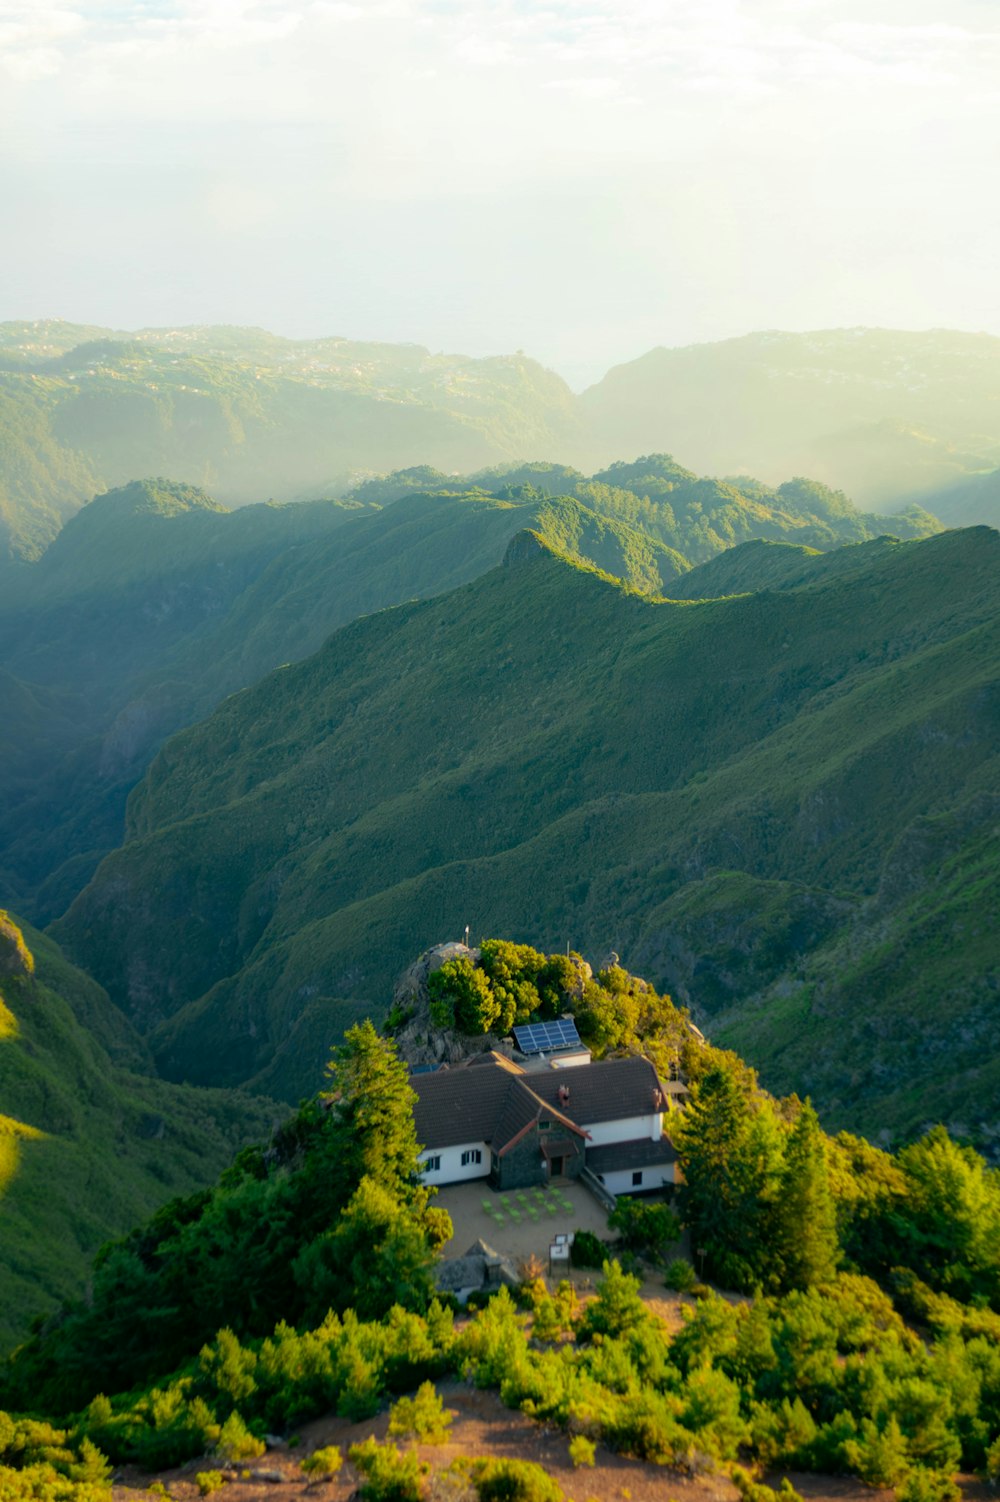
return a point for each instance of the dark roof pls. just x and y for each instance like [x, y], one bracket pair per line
[497, 1104]
[607, 1090]
[458, 1105]
[641, 1154]
[494, 1059]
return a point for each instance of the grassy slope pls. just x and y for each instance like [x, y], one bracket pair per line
[92, 1143]
[153, 603]
[765, 564]
[556, 759]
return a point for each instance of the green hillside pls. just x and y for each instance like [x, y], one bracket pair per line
[762, 564]
[544, 753]
[90, 1141]
[154, 602]
[246, 414]
[880, 413]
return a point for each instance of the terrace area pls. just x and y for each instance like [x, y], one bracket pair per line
[522, 1224]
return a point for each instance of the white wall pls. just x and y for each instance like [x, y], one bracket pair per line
[630, 1129]
[452, 1170]
[654, 1176]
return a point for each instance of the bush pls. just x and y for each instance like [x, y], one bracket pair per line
[322, 1464]
[755, 1491]
[645, 1228]
[236, 1442]
[209, 1482]
[43, 1483]
[922, 1485]
[501, 1480]
[423, 1416]
[587, 1250]
[680, 1275]
[582, 1450]
[390, 1476]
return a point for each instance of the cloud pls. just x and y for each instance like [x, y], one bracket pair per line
[33, 39]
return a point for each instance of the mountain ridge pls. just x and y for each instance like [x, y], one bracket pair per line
[595, 748]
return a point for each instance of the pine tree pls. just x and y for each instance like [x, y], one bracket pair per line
[372, 1107]
[806, 1242]
[731, 1153]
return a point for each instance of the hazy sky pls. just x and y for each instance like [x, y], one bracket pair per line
[580, 178]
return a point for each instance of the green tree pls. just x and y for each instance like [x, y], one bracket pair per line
[806, 1244]
[461, 997]
[731, 1154]
[371, 1105]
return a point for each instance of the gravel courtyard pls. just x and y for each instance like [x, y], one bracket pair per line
[517, 1240]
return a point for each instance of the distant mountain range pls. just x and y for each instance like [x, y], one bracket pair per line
[886, 416]
[882, 414]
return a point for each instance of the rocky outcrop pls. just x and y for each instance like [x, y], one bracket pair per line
[417, 1039]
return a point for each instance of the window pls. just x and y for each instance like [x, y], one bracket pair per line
[637, 1178]
[472, 1155]
[431, 1165]
[544, 1126]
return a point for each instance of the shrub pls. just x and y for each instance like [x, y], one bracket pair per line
[755, 1491]
[92, 1465]
[587, 1250]
[923, 1485]
[582, 1450]
[322, 1464]
[209, 1482]
[43, 1483]
[680, 1275]
[423, 1416]
[390, 1476]
[992, 1468]
[501, 1480]
[236, 1442]
[645, 1228]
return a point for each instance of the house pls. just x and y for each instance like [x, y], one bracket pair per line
[493, 1118]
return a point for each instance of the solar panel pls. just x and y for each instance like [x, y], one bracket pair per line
[547, 1037]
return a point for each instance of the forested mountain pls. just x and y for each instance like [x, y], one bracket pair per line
[744, 796]
[880, 413]
[246, 414]
[155, 601]
[90, 1141]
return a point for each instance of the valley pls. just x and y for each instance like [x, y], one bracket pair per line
[257, 755]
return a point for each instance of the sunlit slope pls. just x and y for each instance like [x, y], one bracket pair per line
[543, 753]
[774, 565]
[89, 1142]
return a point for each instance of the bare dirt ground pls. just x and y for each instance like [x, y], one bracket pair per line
[482, 1426]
